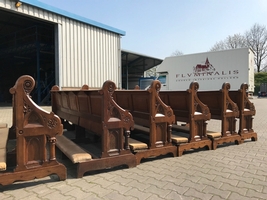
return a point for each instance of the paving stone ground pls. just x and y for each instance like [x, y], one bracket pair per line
[234, 172]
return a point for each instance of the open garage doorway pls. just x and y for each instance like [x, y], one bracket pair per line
[27, 46]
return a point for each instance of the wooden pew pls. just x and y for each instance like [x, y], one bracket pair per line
[33, 130]
[189, 109]
[94, 112]
[222, 108]
[246, 113]
[153, 121]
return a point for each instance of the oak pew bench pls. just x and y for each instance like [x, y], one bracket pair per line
[224, 109]
[152, 121]
[29, 150]
[95, 114]
[246, 112]
[188, 108]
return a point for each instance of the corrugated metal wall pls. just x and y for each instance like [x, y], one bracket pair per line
[87, 54]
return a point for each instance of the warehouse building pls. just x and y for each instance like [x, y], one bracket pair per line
[58, 47]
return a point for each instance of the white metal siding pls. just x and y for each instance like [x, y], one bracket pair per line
[87, 54]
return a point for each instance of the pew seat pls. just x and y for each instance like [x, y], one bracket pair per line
[136, 145]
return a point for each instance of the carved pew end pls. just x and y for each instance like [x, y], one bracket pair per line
[33, 135]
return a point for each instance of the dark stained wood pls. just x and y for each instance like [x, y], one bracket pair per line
[246, 112]
[189, 109]
[96, 111]
[222, 108]
[33, 130]
[153, 119]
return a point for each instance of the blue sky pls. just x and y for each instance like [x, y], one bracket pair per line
[157, 28]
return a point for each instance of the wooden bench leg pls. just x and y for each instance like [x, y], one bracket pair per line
[139, 157]
[237, 142]
[214, 144]
[179, 151]
[255, 138]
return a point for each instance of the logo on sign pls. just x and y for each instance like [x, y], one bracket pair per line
[206, 71]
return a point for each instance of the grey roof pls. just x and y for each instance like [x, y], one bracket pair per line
[138, 63]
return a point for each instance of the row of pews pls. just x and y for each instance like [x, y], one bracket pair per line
[100, 129]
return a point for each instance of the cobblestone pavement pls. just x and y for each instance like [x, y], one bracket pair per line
[229, 172]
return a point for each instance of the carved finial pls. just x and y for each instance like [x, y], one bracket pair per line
[85, 87]
[26, 82]
[136, 87]
[244, 86]
[156, 85]
[226, 86]
[55, 88]
[109, 86]
[194, 86]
